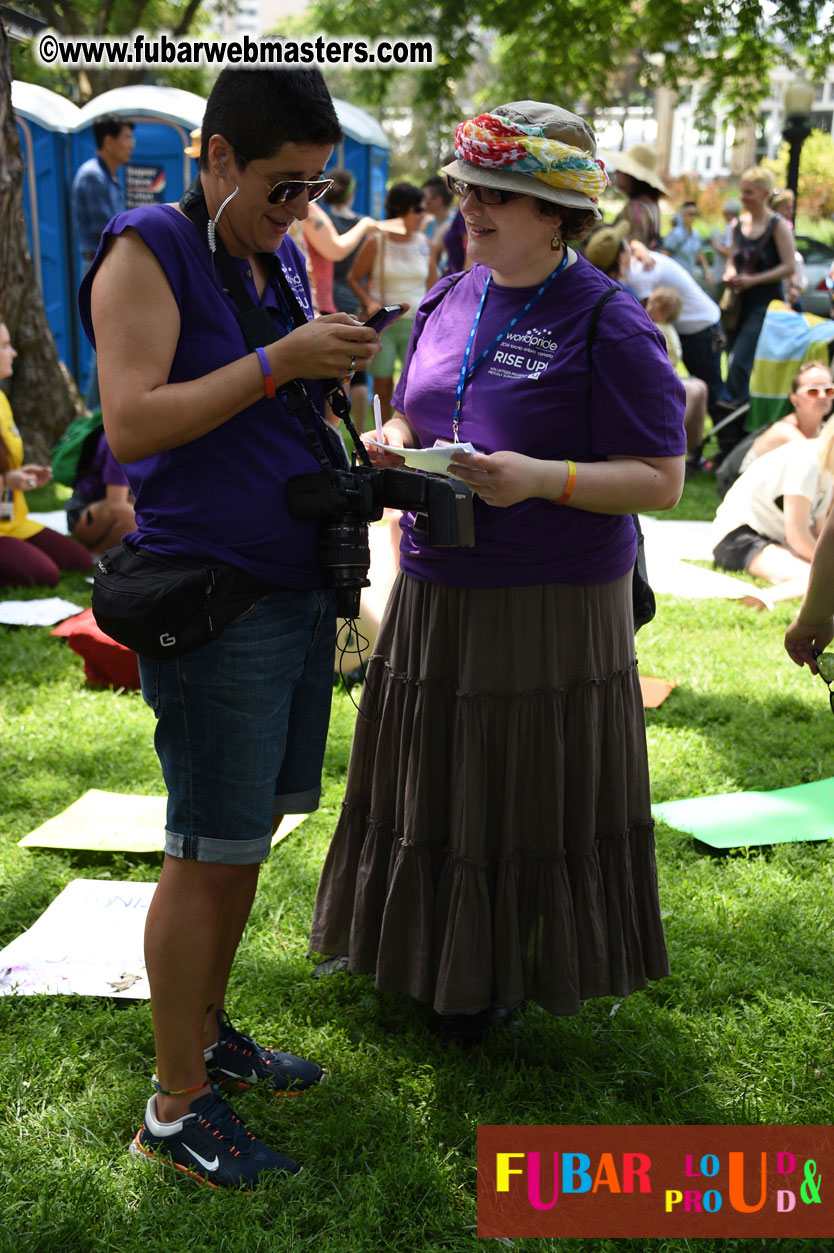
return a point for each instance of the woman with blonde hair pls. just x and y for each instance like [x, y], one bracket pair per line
[762, 256]
[770, 520]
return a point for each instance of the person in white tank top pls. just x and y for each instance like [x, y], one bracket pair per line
[394, 268]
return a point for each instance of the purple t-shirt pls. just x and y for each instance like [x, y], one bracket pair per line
[533, 395]
[103, 471]
[223, 495]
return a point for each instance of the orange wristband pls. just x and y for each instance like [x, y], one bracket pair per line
[570, 485]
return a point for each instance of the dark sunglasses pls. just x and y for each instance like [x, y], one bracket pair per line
[289, 188]
[484, 195]
[825, 666]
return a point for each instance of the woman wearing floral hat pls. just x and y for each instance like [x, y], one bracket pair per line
[496, 840]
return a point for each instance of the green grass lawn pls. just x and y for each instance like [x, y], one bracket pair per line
[739, 1033]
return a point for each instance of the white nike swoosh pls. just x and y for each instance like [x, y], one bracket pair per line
[252, 1077]
[208, 1165]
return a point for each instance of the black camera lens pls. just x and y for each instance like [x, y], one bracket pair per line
[344, 550]
[345, 555]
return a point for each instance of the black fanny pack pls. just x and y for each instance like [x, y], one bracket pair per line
[165, 606]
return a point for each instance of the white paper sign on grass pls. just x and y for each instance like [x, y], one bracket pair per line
[88, 942]
[44, 611]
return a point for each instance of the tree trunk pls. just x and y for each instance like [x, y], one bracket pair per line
[43, 396]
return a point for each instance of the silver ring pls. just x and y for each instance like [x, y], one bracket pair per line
[352, 365]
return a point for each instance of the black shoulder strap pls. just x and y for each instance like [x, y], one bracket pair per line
[593, 322]
[258, 330]
[640, 564]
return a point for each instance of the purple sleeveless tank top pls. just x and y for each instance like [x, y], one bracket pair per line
[223, 495]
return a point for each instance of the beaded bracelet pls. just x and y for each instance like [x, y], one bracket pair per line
[570, 485]
[178, 1091]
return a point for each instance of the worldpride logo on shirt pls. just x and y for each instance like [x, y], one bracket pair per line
[523, 354]
[297, 284]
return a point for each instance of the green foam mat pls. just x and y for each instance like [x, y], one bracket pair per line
[748, 819]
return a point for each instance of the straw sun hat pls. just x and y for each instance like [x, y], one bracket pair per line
[193, 149]
[639, 162]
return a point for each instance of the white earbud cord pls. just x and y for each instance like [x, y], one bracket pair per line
[211, 229]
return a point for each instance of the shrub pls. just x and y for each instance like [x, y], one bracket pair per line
[816, 187]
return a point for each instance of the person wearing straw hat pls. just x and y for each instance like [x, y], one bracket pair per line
[193, 149]
[496, 844]
[635, 177]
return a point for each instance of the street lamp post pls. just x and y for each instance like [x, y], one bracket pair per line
[799, 98]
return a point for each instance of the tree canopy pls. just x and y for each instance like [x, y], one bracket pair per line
[576, 52]
[816, 184]
[43, 396]
[113, 17]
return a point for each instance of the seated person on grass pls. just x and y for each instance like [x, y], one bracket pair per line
[664, 308]
[608, 249]
[811, 394]
[31, 555]
[770, 519]
[100, 510]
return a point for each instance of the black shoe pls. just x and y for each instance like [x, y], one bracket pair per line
[728, 406]
[469, 1029]
[238, 1060]
[211, 1145]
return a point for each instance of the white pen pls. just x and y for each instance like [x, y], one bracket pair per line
[378, 419]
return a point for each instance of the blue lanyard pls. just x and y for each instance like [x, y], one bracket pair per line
[466, 371]
[282, 311]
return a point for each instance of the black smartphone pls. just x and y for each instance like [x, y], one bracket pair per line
[383, 317]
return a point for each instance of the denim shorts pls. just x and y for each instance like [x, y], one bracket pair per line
[75, 506]
[241, 726]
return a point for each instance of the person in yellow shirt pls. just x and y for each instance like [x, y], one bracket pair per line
[30, 554]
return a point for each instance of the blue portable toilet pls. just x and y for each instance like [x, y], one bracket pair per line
[44, 120]
[57, 137]
[159, 171]
[363, 151]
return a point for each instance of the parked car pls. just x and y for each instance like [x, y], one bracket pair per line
[818, 258]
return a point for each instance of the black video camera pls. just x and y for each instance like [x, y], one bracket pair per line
[345, 501]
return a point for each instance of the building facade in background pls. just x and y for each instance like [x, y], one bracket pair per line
[719, 149]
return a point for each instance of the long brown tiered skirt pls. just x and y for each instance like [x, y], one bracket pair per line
[496, 842]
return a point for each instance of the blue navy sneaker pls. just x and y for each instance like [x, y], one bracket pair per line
[210, 1144]
[237, 1059]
